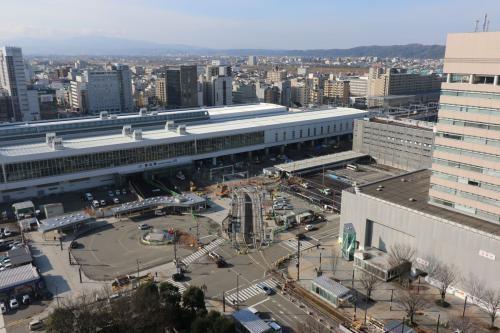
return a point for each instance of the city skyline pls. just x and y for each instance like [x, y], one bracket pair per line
[247, 25]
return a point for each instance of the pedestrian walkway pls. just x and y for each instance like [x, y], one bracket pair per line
[249, 292]
[179, 285]
[292, 243]
[200, 253]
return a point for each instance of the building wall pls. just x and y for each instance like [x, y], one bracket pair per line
[469, 122]
[448, 241]
[13, 80]
[394, 145]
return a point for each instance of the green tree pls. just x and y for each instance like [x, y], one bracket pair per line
[213, 322]
[61, 320]
[146, 305]
[169, 294]
[194, 299]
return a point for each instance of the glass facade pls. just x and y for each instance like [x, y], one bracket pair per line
[123, 157]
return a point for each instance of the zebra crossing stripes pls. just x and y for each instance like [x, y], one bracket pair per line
[304, 245]
[201, 252]
[249, 292]
[179, 285]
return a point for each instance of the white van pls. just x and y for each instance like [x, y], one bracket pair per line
[35, 325]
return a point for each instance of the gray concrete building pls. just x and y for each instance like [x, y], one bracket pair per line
[403, 144]
[396, 210]
[13, 80]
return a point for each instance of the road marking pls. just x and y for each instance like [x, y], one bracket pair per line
[201, 252]
[179, 285]
[304, 245]
[267, 299]
[251, 291]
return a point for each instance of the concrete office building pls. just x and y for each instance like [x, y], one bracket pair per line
[466, 165]
[34, 166]
[453, 214]
[6, 112]
[276, 75]
[244, 93]
[108, 90]
[34, 104]
[403, 144]
[13, 80]
[218, 86]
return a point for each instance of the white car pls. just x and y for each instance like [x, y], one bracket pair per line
[13, 303]
[3, 307]
[309, 227]
[116, 200]
[117, 192]
[7, 233]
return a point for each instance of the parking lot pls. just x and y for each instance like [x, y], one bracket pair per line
[115, 249]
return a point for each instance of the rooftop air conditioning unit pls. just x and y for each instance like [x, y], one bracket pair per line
[49, 138]
[137, 135]
[154, 113]
[127, 130]
[113, 116]
[169, 125]
[57, 144]
[104, 115]
[143, 112]
[181, 129]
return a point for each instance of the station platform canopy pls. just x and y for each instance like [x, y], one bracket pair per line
[185, 200]
[63, 222]
[317, 163]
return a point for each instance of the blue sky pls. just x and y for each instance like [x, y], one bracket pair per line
[290, 24]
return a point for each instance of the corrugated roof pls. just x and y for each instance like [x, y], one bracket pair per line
[184, 200]
[332, 286]
[251, 321]
[63, 221]
[18, 275]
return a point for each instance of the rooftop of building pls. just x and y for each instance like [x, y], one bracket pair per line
[406, 122]
[198, 130]
[411, 190]
[319, 161]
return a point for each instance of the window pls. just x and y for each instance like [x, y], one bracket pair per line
[483, 79]
[460, 78]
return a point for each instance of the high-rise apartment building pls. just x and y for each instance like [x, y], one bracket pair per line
[13, 80]
[336, 92]
[397, 81]
[276, 75]
[252, 61]
[218, 86]
[466, 156]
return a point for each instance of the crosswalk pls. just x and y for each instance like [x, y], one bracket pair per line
[292, 243]
[179, 285]
[200, 253]
[250, 292]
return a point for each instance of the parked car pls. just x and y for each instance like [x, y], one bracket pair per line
[103, 203]
[277, 206]
[89, 196]
[13, 303]
[7, 233]
[288, 207]
[124, 191]
[3, 307]
[309, 227]
[116, 200]
[117, 192]
[74, 245]
[26, 299]
[95, 203]
[110, 193]
[143, 226]
[35, 325]
[178, 277]
[265, 289]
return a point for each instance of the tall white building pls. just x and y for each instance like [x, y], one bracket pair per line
[109, 90]
[13, 80]
[218, 86]
[252, 61]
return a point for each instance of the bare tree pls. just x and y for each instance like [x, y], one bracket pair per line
[369, 283]
[489, 298]
[444, 274]
[462, 324]
[411, 302]
[400, 253]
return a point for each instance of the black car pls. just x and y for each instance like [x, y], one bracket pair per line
[74, 245]
[301, 236]
[178, 277]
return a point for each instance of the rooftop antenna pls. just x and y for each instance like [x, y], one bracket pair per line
[477, 26]
[485, 21]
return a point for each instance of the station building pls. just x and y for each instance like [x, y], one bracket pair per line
[77, 154]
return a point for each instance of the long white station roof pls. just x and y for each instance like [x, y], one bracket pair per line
[198, 131]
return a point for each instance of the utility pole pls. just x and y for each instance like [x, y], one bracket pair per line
[298, 258]
[175, 251]
[138, 271]
[465, 306]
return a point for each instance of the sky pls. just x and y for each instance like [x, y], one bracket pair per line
[271, 24]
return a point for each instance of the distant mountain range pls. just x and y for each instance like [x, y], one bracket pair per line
[101, 46]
